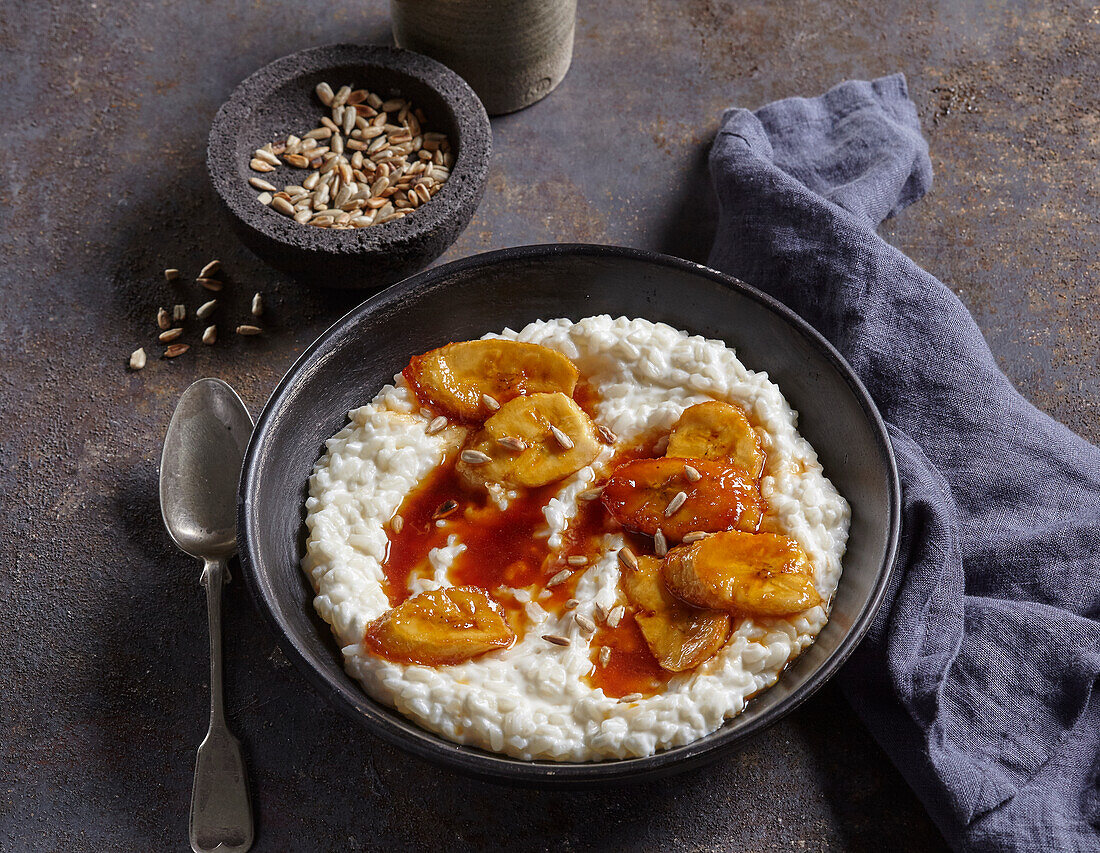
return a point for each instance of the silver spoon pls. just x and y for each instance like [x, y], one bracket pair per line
[199, 470]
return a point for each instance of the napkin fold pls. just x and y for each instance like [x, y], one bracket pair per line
[977, 676]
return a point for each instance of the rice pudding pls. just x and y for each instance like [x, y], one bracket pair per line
[596, 545]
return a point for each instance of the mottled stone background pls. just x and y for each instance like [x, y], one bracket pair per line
[106, 108]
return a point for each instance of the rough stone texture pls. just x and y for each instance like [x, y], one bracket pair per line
[107, 108]
[280, 98]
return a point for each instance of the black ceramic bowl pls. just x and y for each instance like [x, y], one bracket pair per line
[279, 99]
[465, 299]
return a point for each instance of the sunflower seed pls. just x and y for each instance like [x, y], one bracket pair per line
[586, 624]
[341, 96]
[206, 309]
[577, 560]
[356, 97]
[324, 92]
[311, 182]
[171, 274]
[261, 184]
[605, 655]
[164, 319]
[264, 198]
[630, 697]
[210, 335]
[475, 457]
[571, 603]
[349, 121]
[616, 616]
[512, 443]
[692, 474]
[248, 330]
[260, 166]
[303, 216]
[660, 543]
[170, 335]
[600, 612]
[436, 425]
[607, 435]
[176, 349]
[283, 206]
[556, 640]
[445, 509]
[257, 305]
[561, 438]
[330, 123]
[590, 494]
[694, 536]
[179, 313]
[137, 359]
[266, 156]
[560, 577]
[678, 500]
[490, 402]
[535, 613]
[627, 558]
[298, 161]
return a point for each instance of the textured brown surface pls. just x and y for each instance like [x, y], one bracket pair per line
[107, 107]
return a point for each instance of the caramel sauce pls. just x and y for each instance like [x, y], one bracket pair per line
[632, 668]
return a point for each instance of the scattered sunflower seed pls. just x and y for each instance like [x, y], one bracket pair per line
[445, 509]
[211, 284]
[210, 335]
[605, 655]
[175, 350]
[694, 536]
[561, 438]
[600, 612]
[560, 577]
[206, 309]
[630, 697]
[490, 402]
[260, 166]
[590, 494]
[607, 435]
[266, 156]
[213, 267]
[556, 640]
[586, 624]
[261, 184]
[678, 500]
[512, 443]
[397, 523]
[169, 336]
[248, 330]
[627, 558]
[257, 305]
[137, 359]
[475, 457]
[577, 560]
[692, 474]
[616, 616]
[571, 603]
[164, 319]
[660, 543]
[179, 313]
[436, 425]
[171, 274]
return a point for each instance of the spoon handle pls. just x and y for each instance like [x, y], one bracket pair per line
[221, 810]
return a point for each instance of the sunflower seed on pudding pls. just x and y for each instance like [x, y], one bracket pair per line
[169, 336]
[590, 494]
[694, 536]
[490, 402]
[561, 438]
[605, 655]
[171, 274]
[600, 612]
[512, 443]
[678, 500]
[175, 350]
[616, 616]
[660, 543]
[206, 309]
[627, 558]
[248, 330]
[257, 305]
[436, 425]
[630, 697]
[164, 319]
[571, 603]
[586, 624]
[179, 313]
[397, 523]
[577, 560]
[137, 359]
[556, 640]
[692, 474]
[445, 509]
[560, 577]
[475, 457]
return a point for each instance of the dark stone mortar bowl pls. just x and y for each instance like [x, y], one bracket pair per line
[464, 299]
[279, 99]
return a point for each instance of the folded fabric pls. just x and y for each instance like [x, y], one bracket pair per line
[977, 676]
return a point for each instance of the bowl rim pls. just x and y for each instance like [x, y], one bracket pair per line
[468, 174]
[350, 699]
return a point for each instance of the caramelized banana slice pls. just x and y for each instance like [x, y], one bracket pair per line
[439, 627]
[656, 494]
[715, 430]
[680, 636]
[456, 378]
[530, 442]
[764, 574]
